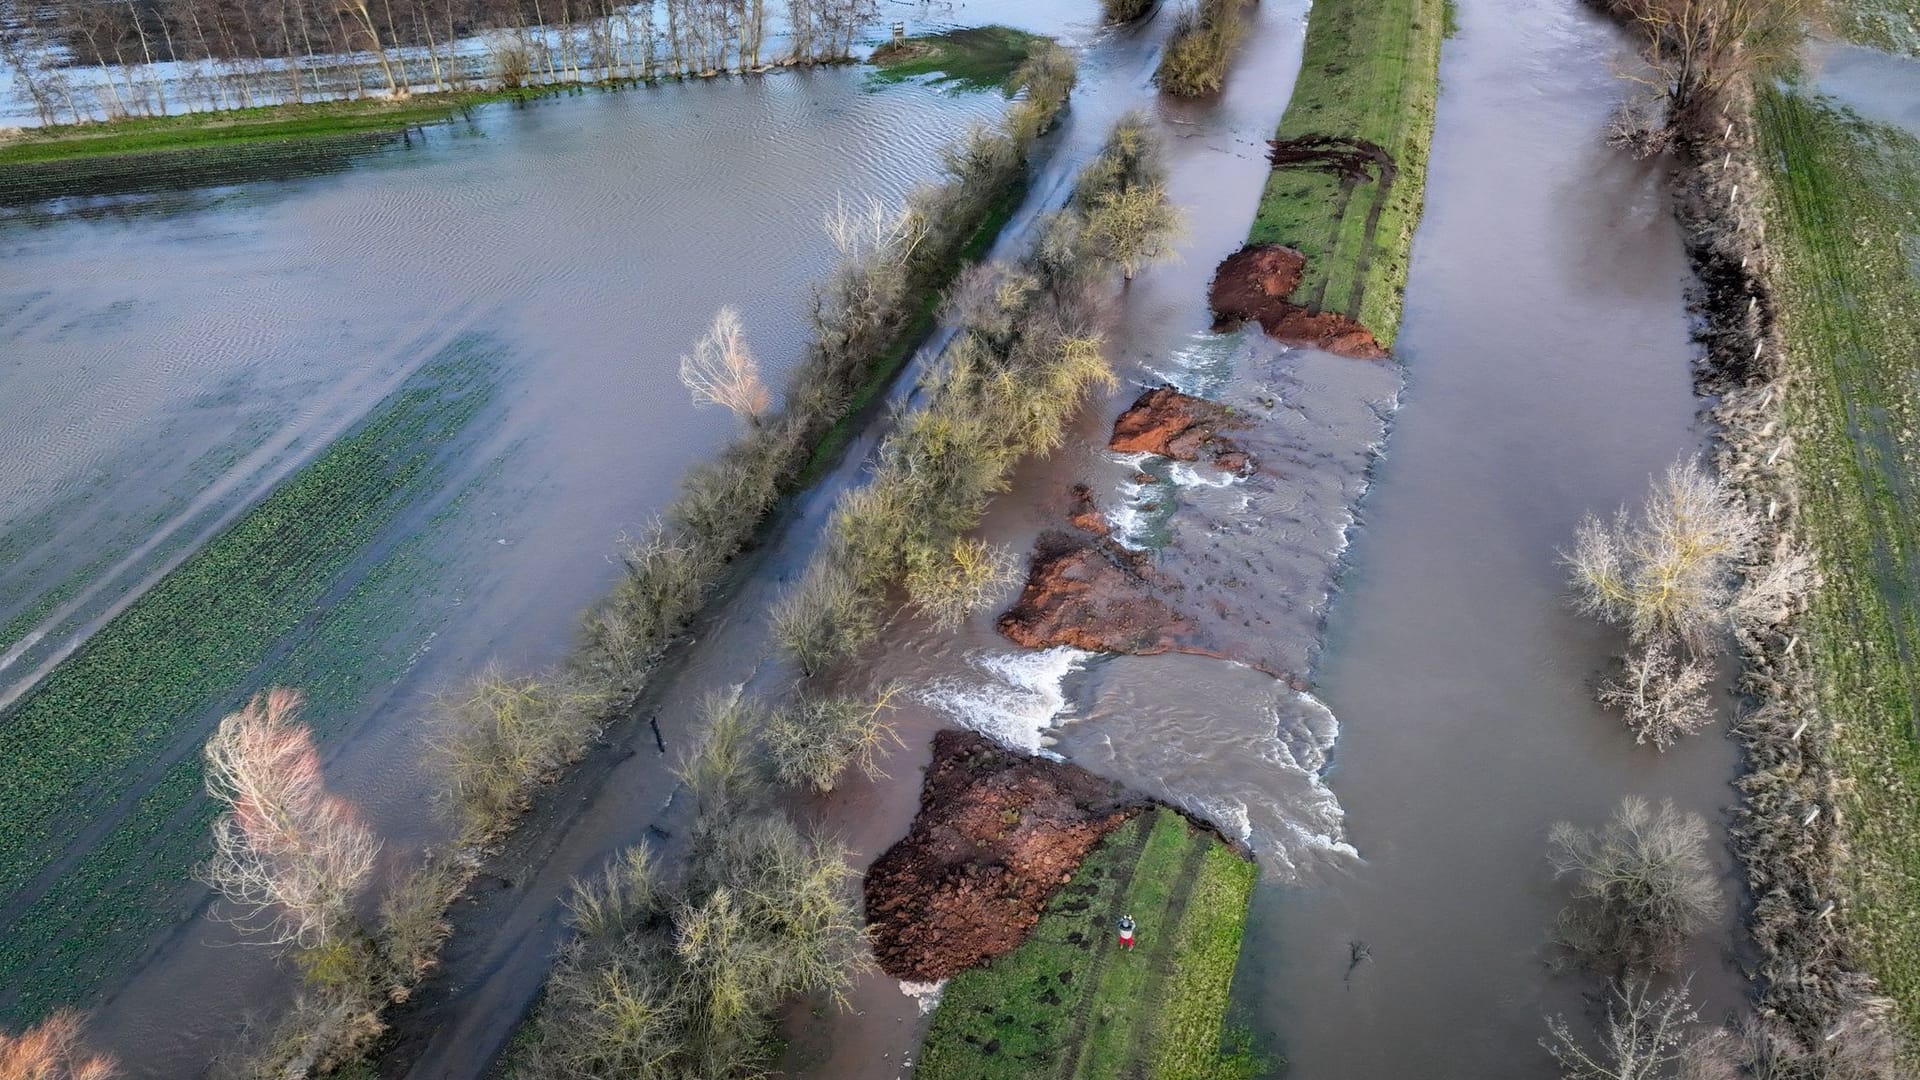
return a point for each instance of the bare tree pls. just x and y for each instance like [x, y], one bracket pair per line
[1133, 226]
[50, 1050]
[284, 851]
[1662, 694]
[1696, 49]
[1672, 570]
[1642, 885]
[723, 371]
[1646, 1036]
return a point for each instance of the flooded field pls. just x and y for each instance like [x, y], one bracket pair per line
[169, 359]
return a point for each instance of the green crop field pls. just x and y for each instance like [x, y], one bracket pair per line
[1845, 217]
[1070, 1003]
[104, 816]
[1370, 73]
[973, 58]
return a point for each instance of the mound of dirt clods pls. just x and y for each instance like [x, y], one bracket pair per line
[996, 834]
[1254, 283]
[1185, 428]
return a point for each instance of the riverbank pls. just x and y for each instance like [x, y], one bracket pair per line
[1072, 1001]
[1842, 196]
[1350, 157]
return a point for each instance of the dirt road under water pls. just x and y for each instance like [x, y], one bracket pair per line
[1546, 350]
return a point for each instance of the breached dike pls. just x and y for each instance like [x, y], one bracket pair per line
[1021, 697]
[1254, 284]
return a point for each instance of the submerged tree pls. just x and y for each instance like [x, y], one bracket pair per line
[723, 371]
[1642, 885]
[1661, 694]
[1646, 1036]
[51, 1050]
[285, 851]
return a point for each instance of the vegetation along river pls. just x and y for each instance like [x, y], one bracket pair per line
[476, 328]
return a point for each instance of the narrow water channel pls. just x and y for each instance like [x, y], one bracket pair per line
[1546, 353]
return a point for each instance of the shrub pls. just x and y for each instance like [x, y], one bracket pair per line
[1197, 55]
[1671, 570]
[1642, 885]
[722, 371]
[499, 737]
[621, 637]
[825, 620]
[949, 585]
[812, 740]
[1125, 11]
[50, 1050]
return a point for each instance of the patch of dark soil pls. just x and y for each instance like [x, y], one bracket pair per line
[1354, 161]
[997, 833]
[1084, 514]
[1167, 422]
[1254, 284]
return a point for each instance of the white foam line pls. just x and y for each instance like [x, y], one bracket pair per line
[1020, 695]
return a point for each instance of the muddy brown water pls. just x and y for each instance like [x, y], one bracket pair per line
[1402, 800]
[166, 359]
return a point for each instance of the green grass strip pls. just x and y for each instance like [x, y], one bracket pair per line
[233, 127]
[1371, 72]
[971, 58]
[1071, 1004]
[121, 717]
[1845, 195]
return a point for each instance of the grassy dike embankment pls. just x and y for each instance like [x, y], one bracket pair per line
[1071, 1003]
[1844, 200]
[1351, 156]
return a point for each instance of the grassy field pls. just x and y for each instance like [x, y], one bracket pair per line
[1844, 206]
[103, 814]
[234, 127]
[1070, 1003]
[1370, 73]
[974, 58]
[1893, 25]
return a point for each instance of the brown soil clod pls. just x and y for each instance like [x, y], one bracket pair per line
[1185, 428]
[997, 833]
[1093, 595]
[1254, 283]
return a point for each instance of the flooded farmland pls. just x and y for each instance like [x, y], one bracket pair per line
[167, 360]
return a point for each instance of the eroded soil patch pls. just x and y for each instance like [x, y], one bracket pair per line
[1255, 284]
[1167, 422]
[997, 834]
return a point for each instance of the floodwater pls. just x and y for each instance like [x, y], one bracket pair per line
[167, 359]
[1401, 799]
[1547, 357]
[1881, 86]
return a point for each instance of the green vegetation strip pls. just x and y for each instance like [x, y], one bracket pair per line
[1071, 1003]
[973, 58]
[1845, 199]
[1370, 73]
[122, 718]
[270, 123]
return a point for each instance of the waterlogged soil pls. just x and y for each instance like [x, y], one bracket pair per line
[997, 834]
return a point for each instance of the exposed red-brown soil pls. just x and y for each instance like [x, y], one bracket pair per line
[1094, 595]
[1254, 283]
[996, 834]
[1167, 422]
[1084, 514]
